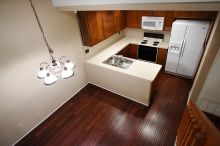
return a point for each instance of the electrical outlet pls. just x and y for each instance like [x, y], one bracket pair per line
[87, 51]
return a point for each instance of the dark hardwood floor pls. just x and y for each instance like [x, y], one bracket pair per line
[96, 117]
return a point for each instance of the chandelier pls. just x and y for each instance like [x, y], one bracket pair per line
[63, 68]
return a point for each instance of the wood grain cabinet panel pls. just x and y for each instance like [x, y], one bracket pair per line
[125, 51]
[84, 28]
[129, 51]
[162, 57]
[96, 26]
[196, 14]
[91, 27]
[134, 18]
[119, 20]
[133, 51]
[169, 17]
[108, 23]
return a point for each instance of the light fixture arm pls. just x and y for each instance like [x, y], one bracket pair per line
[41, 29]
[62, 68]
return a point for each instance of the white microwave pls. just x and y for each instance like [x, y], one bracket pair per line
[152, 23]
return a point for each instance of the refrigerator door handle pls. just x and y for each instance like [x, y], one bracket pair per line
[183, 48]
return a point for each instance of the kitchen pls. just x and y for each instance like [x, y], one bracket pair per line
[62, 30]
[146, 38]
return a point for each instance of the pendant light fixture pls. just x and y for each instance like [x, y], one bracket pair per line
[63, 68]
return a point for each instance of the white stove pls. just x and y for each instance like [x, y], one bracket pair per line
[151, 42]
[147, 49]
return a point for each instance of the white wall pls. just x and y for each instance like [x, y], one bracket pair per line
[24, 99]
[210, 89]
[209, 97]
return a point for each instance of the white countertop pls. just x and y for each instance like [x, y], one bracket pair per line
[140, 69]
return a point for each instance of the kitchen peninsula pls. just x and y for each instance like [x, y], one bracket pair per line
[134, 82]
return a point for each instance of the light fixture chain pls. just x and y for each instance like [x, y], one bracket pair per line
[41, 29]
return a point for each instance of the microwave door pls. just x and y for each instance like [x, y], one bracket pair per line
[149, 25]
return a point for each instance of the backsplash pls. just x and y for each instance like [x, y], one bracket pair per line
[103, 45]
[138, 33]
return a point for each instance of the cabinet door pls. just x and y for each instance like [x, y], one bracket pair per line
[168, 18]
[134, 18]
[125, 51]
[204, 14]
[108, 23]
[162, 57]
[123, 21]
[84, 28]
[119, 20]
[94, 22]
[196, 14]
[133, 51]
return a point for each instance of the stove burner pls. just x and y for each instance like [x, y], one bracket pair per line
[144, 42]
[155, 43]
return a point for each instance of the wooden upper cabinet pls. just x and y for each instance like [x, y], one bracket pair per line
[134, 18]
[119, 20]
[96, 26]
[108, 23]
[85, 34]
[196, 14]
[91, 27]
[169, 17]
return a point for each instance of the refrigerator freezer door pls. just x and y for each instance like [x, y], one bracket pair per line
[176, 40]
[192, 48]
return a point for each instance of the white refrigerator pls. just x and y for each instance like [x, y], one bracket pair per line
[186, 46]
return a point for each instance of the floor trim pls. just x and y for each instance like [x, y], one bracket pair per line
[120, 94]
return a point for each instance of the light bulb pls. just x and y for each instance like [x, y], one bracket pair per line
[66, 73]
[69, 65]
[50, 79]
[42, 73]
[55, 67]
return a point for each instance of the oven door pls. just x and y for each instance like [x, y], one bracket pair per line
[147, 53]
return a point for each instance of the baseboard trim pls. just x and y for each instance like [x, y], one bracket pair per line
[50, 114]
[119, 94]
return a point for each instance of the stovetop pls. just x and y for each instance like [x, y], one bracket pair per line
[152, 39]
[152, 42]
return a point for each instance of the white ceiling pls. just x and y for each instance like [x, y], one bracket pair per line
[103, 2]
[196, 5]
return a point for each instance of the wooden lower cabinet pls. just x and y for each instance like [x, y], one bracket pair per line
[129, 51]
[133, 51]
[162, 57]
